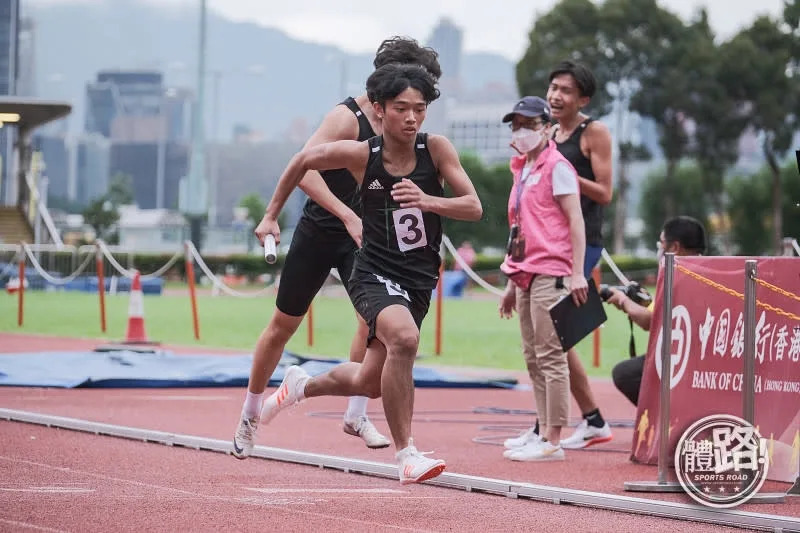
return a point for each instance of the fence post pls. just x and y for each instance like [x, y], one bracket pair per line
[21, 295]
[662, 485]
[101, 288]
[192, 292]
[749, 370]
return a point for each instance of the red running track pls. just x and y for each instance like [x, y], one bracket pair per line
[60, 480]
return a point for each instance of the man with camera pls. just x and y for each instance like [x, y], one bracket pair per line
[680, 235]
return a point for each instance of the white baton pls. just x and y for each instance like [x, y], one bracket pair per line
[270, 253]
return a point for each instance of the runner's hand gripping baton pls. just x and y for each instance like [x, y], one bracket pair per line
[270, 253]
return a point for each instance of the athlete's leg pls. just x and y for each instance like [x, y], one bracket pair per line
[396, 329]
[351, 378]
[269, 349]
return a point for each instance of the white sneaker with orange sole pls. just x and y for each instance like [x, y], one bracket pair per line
[289, 393]
[414, 467]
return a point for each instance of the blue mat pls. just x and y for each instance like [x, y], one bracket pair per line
[128, 369]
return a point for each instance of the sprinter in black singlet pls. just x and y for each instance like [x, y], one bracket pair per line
[326, 237]
[401, 177]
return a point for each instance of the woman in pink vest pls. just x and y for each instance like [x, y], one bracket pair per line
[544, 262]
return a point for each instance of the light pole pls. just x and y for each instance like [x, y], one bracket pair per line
[218, 75]
[194, 186]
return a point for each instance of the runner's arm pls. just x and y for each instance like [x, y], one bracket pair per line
[598, 140]
[351, 155]
[338, 124]
[464, 204]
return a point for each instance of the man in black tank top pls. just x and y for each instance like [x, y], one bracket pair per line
[400, 176]
[586, 143]
[326, 237]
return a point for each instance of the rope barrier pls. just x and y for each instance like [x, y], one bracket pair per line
[471, 273]
[614, 268]
[128, 273]
[216, 281]
[736, 294]
[51, 279]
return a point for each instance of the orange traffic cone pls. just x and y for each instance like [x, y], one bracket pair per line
[135, 336]
[136, 333]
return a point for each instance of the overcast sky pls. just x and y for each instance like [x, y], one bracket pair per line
[499, 26]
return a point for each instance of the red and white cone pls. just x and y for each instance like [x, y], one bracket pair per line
[136, 333]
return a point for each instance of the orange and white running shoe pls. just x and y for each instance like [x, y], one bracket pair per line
[414, 467]
[586, 435]
[289, 393]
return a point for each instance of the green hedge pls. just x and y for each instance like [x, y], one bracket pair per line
[625, 263]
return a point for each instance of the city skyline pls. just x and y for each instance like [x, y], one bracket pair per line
[486, 27]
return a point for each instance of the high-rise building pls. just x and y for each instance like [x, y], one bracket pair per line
[126, 106]
[90, 168]
[148, 127]
[447, 39]
[26, 79]
[9, 32]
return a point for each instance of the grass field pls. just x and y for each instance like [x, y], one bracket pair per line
[473, 333]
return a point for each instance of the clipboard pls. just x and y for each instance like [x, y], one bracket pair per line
[573, 323]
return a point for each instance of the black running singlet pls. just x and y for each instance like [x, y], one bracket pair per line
[592, 211]
[400, 243]
[340, 182]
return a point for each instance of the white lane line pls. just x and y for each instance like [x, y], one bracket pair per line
[31, 526]
[48, 490]
[377, 525]
[186, 398]
[325, 491]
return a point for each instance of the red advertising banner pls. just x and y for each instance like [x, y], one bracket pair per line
[706, 355]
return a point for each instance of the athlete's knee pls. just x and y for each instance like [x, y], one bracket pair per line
[283, 326]
[404, 343]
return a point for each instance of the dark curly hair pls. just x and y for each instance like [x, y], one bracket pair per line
[390, 80]
[406, 50]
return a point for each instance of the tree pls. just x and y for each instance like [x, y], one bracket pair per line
[255, 207]
[493, 186]
[666, 96]
[687, 190]
[569, 30]
[103, 216]
[750, 208]
[760, 70]
[120, 190]
[103, 213]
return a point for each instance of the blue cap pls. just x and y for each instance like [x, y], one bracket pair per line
[529, 106]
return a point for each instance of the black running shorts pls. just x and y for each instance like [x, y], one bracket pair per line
[372, 293]
[311, 256]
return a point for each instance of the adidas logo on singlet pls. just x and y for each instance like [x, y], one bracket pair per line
[375, 186]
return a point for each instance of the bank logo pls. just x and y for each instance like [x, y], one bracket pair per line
[721, 461]
[679, 350]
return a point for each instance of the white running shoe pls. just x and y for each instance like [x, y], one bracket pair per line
[527, 436]
[414, 467]
[244, 438]
[289, 392]
[586, 435]
[362, 427]
[536, 451]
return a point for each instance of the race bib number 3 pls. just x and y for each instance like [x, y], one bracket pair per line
[410, 228]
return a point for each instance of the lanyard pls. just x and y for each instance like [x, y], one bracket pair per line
[523, 178]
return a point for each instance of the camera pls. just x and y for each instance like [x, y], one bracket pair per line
[634, 291]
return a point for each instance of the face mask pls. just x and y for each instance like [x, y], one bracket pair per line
[526, 140]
